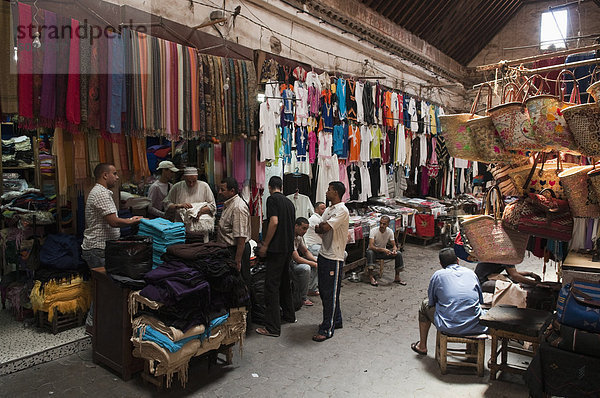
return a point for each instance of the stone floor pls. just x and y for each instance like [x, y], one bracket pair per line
[370, 357]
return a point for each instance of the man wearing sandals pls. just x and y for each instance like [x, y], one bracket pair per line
[453, 302]
[379, 239]
[334, 233]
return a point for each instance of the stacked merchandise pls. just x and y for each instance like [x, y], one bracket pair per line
[46, 160]
[61, 286]
[17, 151]
[30, 205]
[11, 182]
[190, 305]
[164, 233]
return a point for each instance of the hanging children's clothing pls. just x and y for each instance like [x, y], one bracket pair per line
[376, 137]
[354, 181]
[412, 112]
[266, 140]
[301, 142]
[354, 142]
[365, 143]
[328, 171]
[383, 187]
[312, 146]
[288, 105]
[301, 103]
[360, 113]
[341, 91]
[365, 178]
[325, 143]
[400, 155]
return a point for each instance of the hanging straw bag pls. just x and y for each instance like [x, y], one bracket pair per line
[594, 177]
[584, 123]
[549, 125]
[543, 175]
[491, 242]
[459, 141]
[486, 139]
[579, 192]
[512, 120]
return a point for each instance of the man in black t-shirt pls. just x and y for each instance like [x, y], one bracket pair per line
[277, 247]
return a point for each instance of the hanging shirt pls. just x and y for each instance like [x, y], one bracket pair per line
[301, 103]
[400, 156]
[341, 95]
[355, 143]
[365, 179]
[327, 117]
[412, 112]
[286, 138]
[302, 204]
[383, 187]
[325, 143]
[376, 137]
[288, 105]
[425, 116]
[354, 181]
[338, 140]
[273, 97]
[374, 172]
[395, 108]
[432, 120]
[368, 104]
[365, 143]
[312, 146]
[360, 113]
[301, 141]
[385, 148]
[328, 171]
[351, 100]
[266, 142]
[405, 113]
[422, 150]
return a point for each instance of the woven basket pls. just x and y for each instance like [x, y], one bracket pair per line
[459, 141]
[491, 242]
[581, 196]
[548, 123]
[584, 123]
[594, 177]
[594, 90]
[513, 123]
[545, 176]
[487, 141]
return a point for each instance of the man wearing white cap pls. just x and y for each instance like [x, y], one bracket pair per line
[189, 191]
[160, 188]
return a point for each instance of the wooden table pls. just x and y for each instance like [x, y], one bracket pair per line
[579, 266]
[511, 323]
[111, 343]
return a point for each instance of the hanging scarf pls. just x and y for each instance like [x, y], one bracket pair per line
[195, 110]
[180, 93]
[156, 71]
[226, 97]
[239, 161]
[137, 100]
[208, 97]
[143, 54]
[247, 116]
[93, 156]
[25, 69]
[62, 69]
[123, 156]
[81, 171]
[174, 91]
[101, 149]
[115, 84]
[85, 56]
[239, 98]
[73, 105]
[220, 100]
[58, 150]
[94, 87]
[116, 157]
[9, 98]
[252, 89]
[187, 98]
[163, 86]
[108, 151]
[103, 82]
[38, 70]
[201, 104]
[150, 85]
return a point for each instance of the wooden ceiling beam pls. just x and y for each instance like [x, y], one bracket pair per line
[401, 18]
[475, 45]
[426, 23]
[391, 6]
[421, 11]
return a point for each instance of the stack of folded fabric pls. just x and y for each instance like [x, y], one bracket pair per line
[17, 151]
[164, 233]
[46, 161]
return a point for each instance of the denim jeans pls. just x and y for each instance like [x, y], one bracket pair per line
[373, 255]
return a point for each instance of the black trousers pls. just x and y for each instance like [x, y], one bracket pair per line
[278, 293]
[245, 269]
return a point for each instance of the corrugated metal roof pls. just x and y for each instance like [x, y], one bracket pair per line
[458, 28]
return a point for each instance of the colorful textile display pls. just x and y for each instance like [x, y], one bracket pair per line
[164, 233]
[65, 296]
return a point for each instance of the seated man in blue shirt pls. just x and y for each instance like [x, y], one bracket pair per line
[453, 302]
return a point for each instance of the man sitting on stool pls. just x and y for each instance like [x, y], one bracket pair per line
[302, 261]
[379, 238]
[453, 302]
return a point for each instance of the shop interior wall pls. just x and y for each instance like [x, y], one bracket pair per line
[524, 30]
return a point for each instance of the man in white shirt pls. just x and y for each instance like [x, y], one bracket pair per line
[302, 262]
[334, 233]
[379, 239]
[160, 188]
[313, 244]
[188, 192]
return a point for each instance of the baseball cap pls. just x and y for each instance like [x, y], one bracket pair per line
[165, 164]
